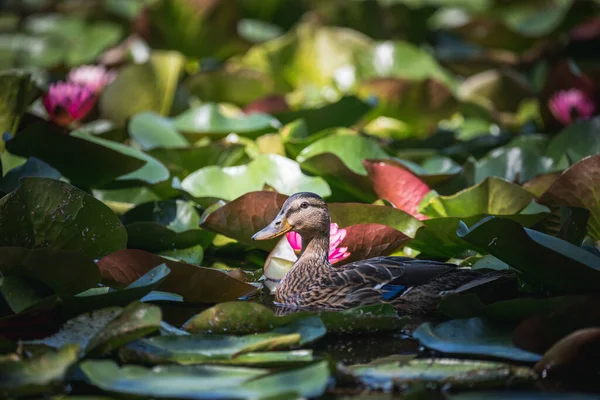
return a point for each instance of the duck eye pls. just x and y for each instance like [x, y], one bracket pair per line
[304, 205]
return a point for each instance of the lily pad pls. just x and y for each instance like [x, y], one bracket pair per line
[151, 130]
[81, 161]
[218, 348]
[101, 297]
[578, 187]
[576, 141]
[247, 317]
[64, 272]
[440, 372]
[206, 382]
[135, 321]
[229, 183]
[49, 213]
[554, 264]
[209, 120]
[196, 284]
[17, 90]
[32, 168]
[472, 336]
[164, 225]
[344, 113]
[37, 375]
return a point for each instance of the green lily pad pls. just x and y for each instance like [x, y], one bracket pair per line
[164, 225]
[578, 187]
[521, 160]
[206, 382]
[472, 336]
[49, 213]
[196, 284]
[339, 160]
[492, 196]
[440, 372]
[168, 67]
[20, 295]
[533, 20]
[17, 90]
[135, 321]
[101, 297]
[36, 375]
[554, 264]
[182, 161]
[202, 348]
[344, 113]
[247, 317]
[151, 130]
[576, 141]
[64, 272]
[209, 120]
[229, 183]
[32, 168]
[80, 160]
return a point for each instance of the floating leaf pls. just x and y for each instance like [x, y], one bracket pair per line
[227, 349]
[576, 141]
[578, 187]
[555, 264]
[203, 382]
[17, 90]
[32, 168]
[151, 130]
[209, 120]
[472, 336]
[196, 284]
[247, 317]
[36, 375]
[135, 321]
[229, 183]
[440, 372]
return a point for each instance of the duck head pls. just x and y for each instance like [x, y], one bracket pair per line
[305, 213]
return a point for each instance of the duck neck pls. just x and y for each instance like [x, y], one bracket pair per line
[315, 250]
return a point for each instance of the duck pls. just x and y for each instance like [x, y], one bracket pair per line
[412, 286]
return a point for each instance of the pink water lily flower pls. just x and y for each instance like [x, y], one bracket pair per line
[568, 105]
[94, 77]
[336, 235]
[67, 102]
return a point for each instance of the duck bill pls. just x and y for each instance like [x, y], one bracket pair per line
[273, 230]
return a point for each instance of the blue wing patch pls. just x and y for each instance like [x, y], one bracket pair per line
[391, 291]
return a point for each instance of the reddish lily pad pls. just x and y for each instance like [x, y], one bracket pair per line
[195, 284]
[576, 353]
[398, 186]
[579, 186]
[371, 240]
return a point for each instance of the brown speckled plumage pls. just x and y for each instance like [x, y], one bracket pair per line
[313, 282]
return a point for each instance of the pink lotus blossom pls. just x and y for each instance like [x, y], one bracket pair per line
[94, 77]
[568, 105]
[336, 236]
[67, 102]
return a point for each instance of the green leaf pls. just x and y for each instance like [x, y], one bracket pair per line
[339, 160]
[209, 120]
[135, 321]
[218, 348]
[492, 196]
[473, 336]
[17, 90]
[151, 131]
[576, 141]
[578, 187]
[36, 375]
[247, 317]
[182, 161]
[65, 272]
[534, 18]
[204, 382]
[151, 173]
[164, 225]
[49, 213]
[196, 284]
[32, 167]
[344, 113]
[20, 295]
[379, 375]
[168, 67]
[229, 183]
[81, 161]
[554, 264]
[100, 297]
